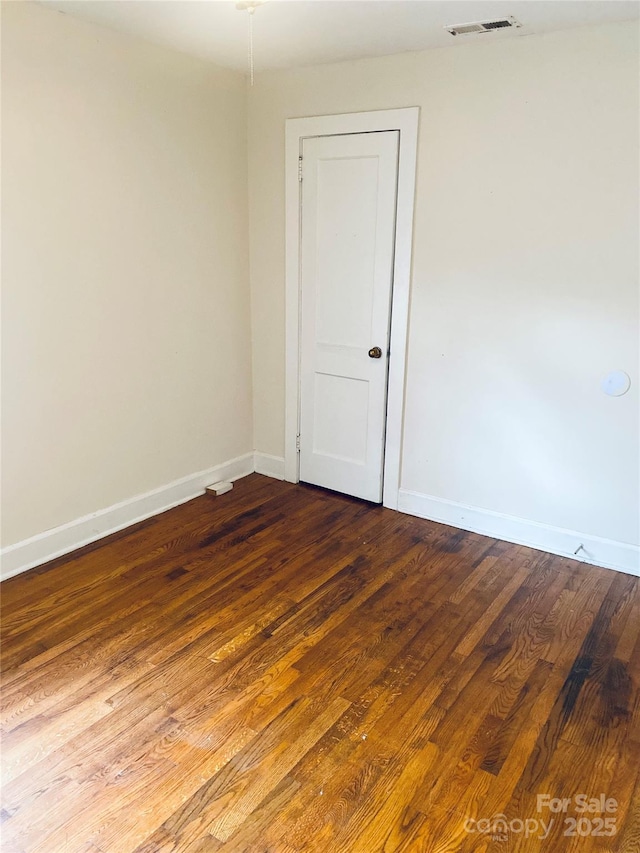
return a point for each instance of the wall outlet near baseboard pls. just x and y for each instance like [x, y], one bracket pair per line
[220, 488]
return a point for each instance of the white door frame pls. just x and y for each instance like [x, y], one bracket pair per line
[297, 129]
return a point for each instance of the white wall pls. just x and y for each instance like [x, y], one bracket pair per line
[525, 268]
[126, 318]
[126, 339]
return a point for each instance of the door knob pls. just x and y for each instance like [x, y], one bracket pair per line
[375, 352]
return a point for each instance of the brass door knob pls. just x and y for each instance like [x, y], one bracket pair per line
[375, 352]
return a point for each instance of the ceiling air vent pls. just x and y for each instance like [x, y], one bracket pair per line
[482, 26]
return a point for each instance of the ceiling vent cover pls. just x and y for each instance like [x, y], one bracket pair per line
[482, 26]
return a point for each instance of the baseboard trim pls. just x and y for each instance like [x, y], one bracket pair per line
[270, 466]
[596, 551]
[82, 531]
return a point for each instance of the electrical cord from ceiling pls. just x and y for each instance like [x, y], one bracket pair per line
[250, 6]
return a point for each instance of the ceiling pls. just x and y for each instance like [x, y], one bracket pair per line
[293, 33]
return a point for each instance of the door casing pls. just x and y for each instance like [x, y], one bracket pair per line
[297, 129]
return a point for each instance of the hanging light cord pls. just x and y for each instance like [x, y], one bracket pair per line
[251, 10]
[250, 7]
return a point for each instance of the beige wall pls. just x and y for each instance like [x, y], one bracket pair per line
[126, 339]
[524, 289]
[126, 345]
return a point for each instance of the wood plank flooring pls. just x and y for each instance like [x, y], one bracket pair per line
[284, 669]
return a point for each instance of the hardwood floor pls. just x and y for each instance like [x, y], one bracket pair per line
[284, 669]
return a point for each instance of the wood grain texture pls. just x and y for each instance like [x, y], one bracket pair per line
[284, 669]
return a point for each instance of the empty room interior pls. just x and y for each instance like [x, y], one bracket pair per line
[320, 426]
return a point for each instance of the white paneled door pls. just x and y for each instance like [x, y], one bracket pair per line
[348, 216]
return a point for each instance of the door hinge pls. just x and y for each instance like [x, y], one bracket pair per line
[300, 169]
[298, 443]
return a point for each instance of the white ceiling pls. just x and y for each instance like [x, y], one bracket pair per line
[290, 33]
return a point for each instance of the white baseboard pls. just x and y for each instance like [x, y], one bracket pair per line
[270, 466]
[598, 552]
[67, 537]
